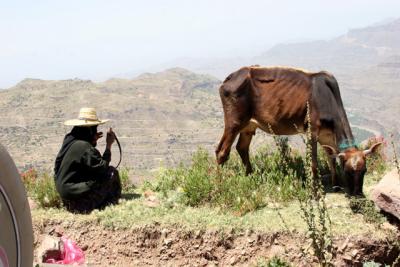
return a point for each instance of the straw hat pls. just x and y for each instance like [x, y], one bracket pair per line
[87, 117]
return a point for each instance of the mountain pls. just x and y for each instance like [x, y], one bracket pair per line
[158, 117]
[359, 48]
[365, 61]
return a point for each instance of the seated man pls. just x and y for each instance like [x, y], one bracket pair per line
[84, 179]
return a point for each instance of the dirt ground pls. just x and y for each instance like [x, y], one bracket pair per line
[154, 245]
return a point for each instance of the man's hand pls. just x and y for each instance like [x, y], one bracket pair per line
[110, 138]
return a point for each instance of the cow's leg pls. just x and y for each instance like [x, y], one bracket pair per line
[332, 167]
[327, 137]
[242, 147]
[224, 146]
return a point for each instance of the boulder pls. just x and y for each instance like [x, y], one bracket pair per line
[386, 194]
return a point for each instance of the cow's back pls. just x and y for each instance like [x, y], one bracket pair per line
[280, 96]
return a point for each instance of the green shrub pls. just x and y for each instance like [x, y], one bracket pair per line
[166, 181]
[29, 179]
[45, 192]
[367, 208]
[376, 162]
[273, 262]
[126, 183]
[275, 178]
[41, 189]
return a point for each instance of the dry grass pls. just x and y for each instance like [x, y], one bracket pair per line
[131, 213]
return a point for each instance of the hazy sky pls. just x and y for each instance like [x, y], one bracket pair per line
[96, 39]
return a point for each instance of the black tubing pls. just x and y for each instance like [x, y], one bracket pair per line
[120, 150]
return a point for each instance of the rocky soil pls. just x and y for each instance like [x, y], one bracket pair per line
[156, 245]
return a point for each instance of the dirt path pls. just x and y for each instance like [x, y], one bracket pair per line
[153, 245]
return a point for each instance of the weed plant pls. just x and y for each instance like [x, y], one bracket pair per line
[314, 209]
[395, 157]
[41, 188]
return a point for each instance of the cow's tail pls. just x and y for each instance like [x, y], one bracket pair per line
[333, 85]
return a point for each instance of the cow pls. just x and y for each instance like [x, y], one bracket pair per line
[277, 100]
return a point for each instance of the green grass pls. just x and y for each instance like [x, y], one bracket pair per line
[203, 196]
[228, 187]
[134, 213]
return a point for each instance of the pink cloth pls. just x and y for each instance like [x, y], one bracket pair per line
[72, 254]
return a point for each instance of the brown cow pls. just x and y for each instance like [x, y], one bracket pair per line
[275, 98]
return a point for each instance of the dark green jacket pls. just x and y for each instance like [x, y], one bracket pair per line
[81, 169]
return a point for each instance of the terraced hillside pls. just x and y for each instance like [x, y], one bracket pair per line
[159, 118]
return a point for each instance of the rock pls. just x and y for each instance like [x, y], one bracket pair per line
[59, 231]
[344, 245]
[150, 199]
[354, 253]
[276, 250]
[168, 242]
[50, 248]
[386, 194]
[248, 232]
[347, 258]
[233, 260]
[164, 233]
[203, 262]
[198, 234]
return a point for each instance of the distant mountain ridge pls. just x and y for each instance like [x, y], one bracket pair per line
[366, 62]
[359, 48]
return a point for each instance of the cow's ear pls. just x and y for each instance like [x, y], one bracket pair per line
[330, 151]
[372, 149]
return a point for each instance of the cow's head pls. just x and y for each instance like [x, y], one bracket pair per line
[353, 162]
